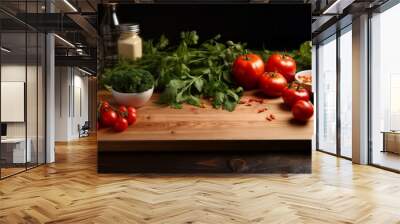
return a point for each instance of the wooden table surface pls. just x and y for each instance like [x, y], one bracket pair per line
[155, 122]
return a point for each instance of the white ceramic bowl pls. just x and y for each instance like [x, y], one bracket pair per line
[133, 99]
[307, 86]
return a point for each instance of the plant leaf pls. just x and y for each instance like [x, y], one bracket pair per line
[218, 99]
[198, 83]
[176, 105]
[193, 100]
[180, 97]
[230, 105]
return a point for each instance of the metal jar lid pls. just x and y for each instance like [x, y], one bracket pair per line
[129, 27]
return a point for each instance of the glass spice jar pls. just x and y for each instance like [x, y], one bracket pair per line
[129, 42]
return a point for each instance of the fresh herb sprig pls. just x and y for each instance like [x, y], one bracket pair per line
[192, 71]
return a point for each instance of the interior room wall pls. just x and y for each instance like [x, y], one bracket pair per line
[85, 100]
[62, 80]
[16, 72]
[92, 98]
[70, 83]
[80, 110]
[41, 115]
[50, 95]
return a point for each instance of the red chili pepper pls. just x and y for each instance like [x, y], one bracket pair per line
[262, 110]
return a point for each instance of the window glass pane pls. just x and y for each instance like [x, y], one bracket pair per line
[346, 93]
[385, 84]
[14, 153]
[31, 97]
[327, 96]
[41, 97]
[32, 85]
[23, 84]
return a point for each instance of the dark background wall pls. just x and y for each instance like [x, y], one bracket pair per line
[274, 27]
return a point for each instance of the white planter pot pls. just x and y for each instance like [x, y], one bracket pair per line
[133, 99]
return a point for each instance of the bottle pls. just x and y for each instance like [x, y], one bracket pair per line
[109, 35]
[129, 42]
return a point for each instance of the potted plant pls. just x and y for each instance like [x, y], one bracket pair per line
[129, 85]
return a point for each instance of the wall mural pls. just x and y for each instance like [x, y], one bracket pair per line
[205, 88]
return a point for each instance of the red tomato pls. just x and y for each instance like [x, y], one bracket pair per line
[283, 64]
[104, 105]
[121, 124]
[108, 117]
[131, 110]
[122, 109]
[247, 69]
[302, 110]
[272, 84]
[131, 117]
[291, 95]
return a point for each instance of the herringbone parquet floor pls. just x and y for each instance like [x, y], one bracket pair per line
[70, 191]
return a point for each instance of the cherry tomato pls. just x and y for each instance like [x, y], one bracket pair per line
[272, 84]
[131, 117]
[104, 106]
[122, 109]
[121, 124]
[292, 94]
[108, 117]
[302, 110]
[131, 110]
[247, 69]
[283, 64]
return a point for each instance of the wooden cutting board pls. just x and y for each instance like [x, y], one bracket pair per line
[162, 123]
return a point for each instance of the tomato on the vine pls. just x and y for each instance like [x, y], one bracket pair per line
[131, 118]
[104, 105]
[108, 117]
[122, 109]
[131, 110]
[293, 94]
[272, 84]
[302, 110]
[283, 64]
[247, 69]
[121, 124]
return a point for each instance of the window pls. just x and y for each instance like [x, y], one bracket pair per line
[22, 75]
[346, 95]
[326, 96]
[334, 109]
[385, 89]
